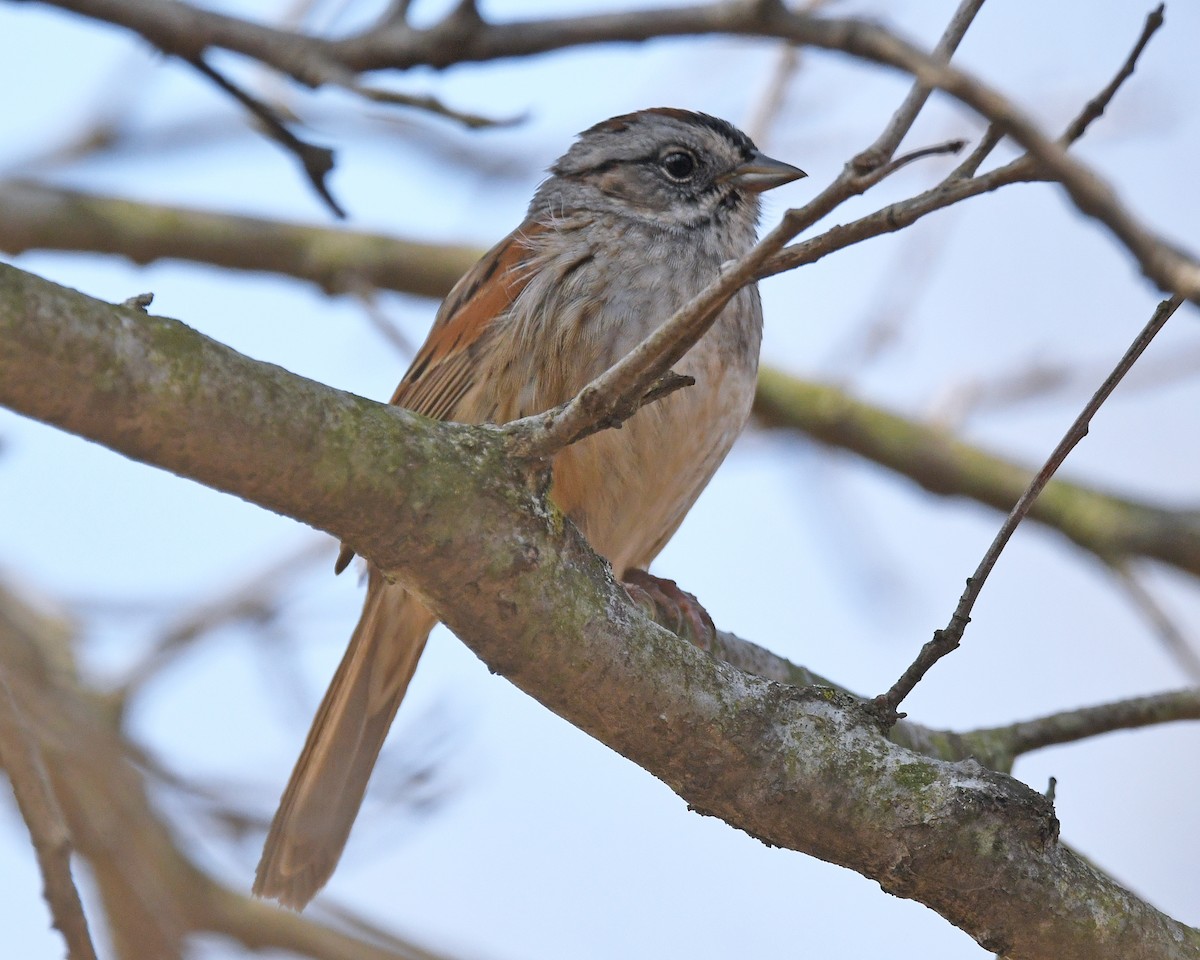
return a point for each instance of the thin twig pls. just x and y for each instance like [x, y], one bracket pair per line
[367, 294]
[987, 143]
[902, 120]
[316, 161]
[935, 150]
[473, 121]
[22, 760]
[620, 390]
[962, 183]
[1094, 109]
[947, 639]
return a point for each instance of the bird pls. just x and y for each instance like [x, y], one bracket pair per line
[633, 221]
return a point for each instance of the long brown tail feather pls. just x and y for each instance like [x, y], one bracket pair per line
[326, 788]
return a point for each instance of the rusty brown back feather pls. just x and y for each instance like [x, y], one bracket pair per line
[442, 370]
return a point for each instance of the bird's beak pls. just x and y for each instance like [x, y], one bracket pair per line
[761, 173]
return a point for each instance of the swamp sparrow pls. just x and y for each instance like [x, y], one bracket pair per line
[635, 220]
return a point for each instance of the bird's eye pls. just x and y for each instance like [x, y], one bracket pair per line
[679, 165]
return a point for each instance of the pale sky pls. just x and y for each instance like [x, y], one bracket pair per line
[547, 844]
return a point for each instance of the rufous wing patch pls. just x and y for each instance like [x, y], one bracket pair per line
[443, 371]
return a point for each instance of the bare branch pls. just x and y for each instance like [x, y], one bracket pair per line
[368, 297]
[1070, 726]
[1094, 109]
[316, 161]
[947, 639]
[935, 150]
[255, 598]
[472, 121]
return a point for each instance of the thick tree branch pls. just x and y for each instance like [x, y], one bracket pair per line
[471, 533]
[45, 217]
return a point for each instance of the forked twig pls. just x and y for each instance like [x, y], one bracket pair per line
[948, 638]
[316, 161]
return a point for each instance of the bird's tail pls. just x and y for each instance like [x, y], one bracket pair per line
[327, 786]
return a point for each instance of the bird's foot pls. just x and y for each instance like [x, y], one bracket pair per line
[671, 607]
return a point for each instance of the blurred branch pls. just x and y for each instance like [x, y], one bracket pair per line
[464, 36]
[154, 895]
[893, 302]
[1109, 526]
[802, 768]
[53, 218]
[771, 100]
[1039, 379]
[367, 296]
[22, 760]
[255, 598]
[1169, 634]
[316, 161]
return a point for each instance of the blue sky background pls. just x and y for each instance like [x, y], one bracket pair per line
[546, 844]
